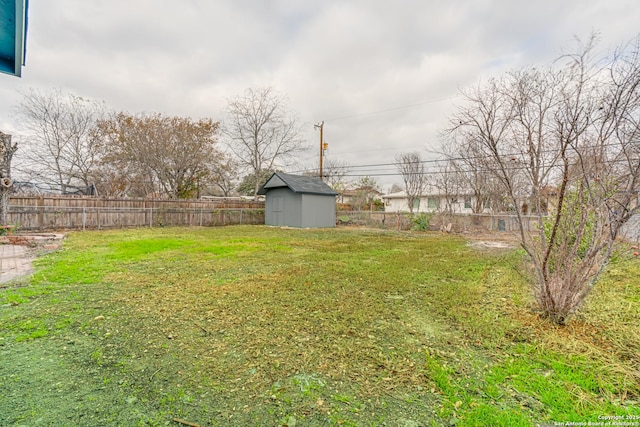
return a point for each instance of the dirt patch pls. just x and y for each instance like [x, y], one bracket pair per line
[492, 241]
[483, 244]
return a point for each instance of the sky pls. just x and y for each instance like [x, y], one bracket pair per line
[384, 76]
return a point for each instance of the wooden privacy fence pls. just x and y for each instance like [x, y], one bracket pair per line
[62, 212]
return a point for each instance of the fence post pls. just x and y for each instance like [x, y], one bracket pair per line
[150, 217]
[99, 213]
[240, 216]
[84, 218]
[40, 206]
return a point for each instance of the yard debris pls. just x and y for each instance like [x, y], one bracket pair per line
[154, 374]
[206, 331]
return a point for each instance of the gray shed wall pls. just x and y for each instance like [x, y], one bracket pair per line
[318, 211]
[283, 208]
[286, 208]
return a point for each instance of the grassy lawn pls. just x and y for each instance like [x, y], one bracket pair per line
[261, 326]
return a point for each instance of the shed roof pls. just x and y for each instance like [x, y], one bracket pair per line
[297, 184]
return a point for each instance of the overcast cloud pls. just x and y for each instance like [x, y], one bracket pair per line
[382, 75]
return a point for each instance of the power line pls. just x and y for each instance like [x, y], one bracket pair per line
[514, 156]
[515, 164]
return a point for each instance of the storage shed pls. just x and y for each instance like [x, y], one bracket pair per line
[298, 201]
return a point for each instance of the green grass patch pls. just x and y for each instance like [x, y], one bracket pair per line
[253, 325]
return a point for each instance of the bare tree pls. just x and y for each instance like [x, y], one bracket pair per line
[246, 187]
[335, 174]
[534, 96]
[467, 174]
[161, 154]
[261, 131]
[225, 175]
[366, 194]
[7, 149]
[577, 130]
[56, 131]
[118, 179]
[411, 167]
[446, 181]
[395, 188]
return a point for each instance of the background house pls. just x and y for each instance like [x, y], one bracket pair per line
[361, 198]
[298, 201]
[433, 201]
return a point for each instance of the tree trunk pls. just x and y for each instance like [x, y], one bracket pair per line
[6, 153]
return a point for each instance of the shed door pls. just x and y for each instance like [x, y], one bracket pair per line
[278, 210]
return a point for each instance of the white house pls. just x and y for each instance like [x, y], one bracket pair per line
[431, 202]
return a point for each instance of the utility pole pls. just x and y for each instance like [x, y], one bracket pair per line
[321, 127]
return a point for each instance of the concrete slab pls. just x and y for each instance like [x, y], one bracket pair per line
[17, 252]
[15, 262]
